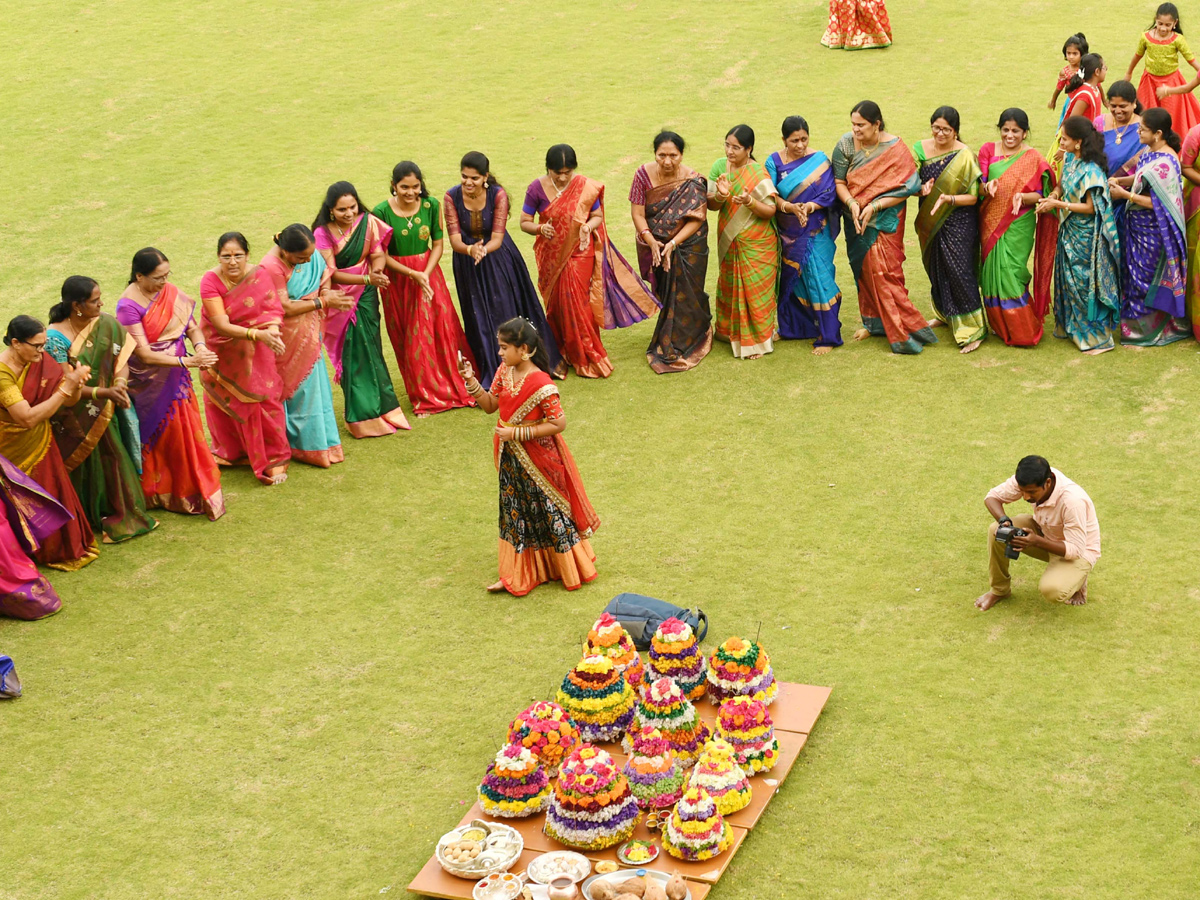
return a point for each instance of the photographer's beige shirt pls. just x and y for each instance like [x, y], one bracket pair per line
[1067, 515]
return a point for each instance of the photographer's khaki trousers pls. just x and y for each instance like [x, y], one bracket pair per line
[1062, 578]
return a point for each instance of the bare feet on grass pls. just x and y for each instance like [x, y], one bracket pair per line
[974, 345]
[822, 350]
[935, 323]
[1079, 597]
[497, 588]
[862, 334]
[987, 601]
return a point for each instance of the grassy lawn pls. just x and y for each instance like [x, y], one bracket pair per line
[298, 700]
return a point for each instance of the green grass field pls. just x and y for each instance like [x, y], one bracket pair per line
[298, 700]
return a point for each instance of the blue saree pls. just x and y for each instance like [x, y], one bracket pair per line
[1086, 262]
[312, 430]
[809, 298]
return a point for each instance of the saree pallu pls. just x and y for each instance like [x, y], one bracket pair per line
[72, 545]
[427, 339]
[1085, 101]
[30, 514]
[1015, 314]
[353, 337]
[748, 253]
[1086, 264]
[565, 278]
[95, 449]
[857, 25]
[809, 298]
[1122, 149]
[545, 516]
[497, 289]
[179, 473]
[1184, 108]
[877, 255]
[312, 431]
[683, 333]
[1154, 255]
[950, 244]
[244, 391]
[1191, 208]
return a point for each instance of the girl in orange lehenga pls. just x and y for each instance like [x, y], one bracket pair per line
[857, 25]
[545, 516]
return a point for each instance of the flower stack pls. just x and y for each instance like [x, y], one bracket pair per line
[597, 699]
[674, 653]
[696, 830]
[515, 785]
[609, 638]
[592, 807]
[663, 706]
[654, 776]
[741, 668]
[718, 772]
[547, 730]
[745, 723]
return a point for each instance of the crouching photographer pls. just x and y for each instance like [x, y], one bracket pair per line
[1062, 532]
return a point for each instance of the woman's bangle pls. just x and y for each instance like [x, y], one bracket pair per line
[120, 382]
[251, 334]
[183, 362]
[645, 231]
[316, 303]
[66, 394]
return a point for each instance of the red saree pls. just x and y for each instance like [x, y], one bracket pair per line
[244, 390]
[34, 452]
[570, 279]
[545, 516]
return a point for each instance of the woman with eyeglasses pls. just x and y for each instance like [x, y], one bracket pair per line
[33, 387]
[98, 436]
[947, 226]
[178, 470]
[242, 319]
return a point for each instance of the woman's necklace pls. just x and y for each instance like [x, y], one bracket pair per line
[408, 220]
[557, 191]
[1121, 131]
[513, 386]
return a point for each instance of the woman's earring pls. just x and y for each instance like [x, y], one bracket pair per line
[526, 357]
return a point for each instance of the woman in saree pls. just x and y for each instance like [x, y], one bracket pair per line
[490, 275]
[1086, 101]
[1154, 239]
[312, 431]
[747, 247]
[179, 473]
[875, 176]
[585, 282]
[33, 387]
[28, 515]
[669, 205]
[1015, 177]
[1087, 288]
[857, 25]
[420, 316]
[545, 517]
[1188, 158]
[1120, 128]
[809, 298]
[98, 436]
[354, 244]
[947, 226]
[242, 319]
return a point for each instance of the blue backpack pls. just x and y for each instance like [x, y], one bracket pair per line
[10, 684]
[641, 616]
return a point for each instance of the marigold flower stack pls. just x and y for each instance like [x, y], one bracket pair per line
[696, 830]
[741, 668]
[718, 772]
[745, 723]
[675, 653]
[609, 638]
[547, 730]
[592, 807]
[598, 699]
[663, 706]
[515, 785]
[654, 776]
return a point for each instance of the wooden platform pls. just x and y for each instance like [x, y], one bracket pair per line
[795, 712]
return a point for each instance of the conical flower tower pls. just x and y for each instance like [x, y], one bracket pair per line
[674, 653]
[741, 668]
[718, 772]
[663, 706]
[597, 699]
[547, 730]
[747, 726]
[696, 830]
[592, 807]
[654, 776]
[609, 638]
[515, 785]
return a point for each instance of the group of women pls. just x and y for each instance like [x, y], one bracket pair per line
[100, 424]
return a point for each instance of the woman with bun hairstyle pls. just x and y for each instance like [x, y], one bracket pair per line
[98, 436]
[178, 470]
[1154, 239]
[312, 432]
[490, 274]
[33, 387]
[421, 322]
[1087, 292]
[546, 519]
[242, 318]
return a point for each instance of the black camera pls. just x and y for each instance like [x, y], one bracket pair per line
[1005, 534]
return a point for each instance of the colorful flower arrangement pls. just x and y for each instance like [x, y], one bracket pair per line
[547, 730]
[663, 706]
[745, 723]
[718, 772]
[696, 830]
[654, 776]
[741, 668]
[674, 653]
[592, 807]
[598, 699]
[515, 785]
[609, 638]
